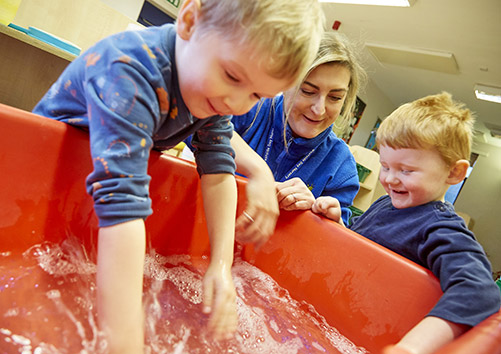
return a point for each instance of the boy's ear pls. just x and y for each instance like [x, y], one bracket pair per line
[187, 18]
[458, 172]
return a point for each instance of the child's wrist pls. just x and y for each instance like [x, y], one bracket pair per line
[222, 263]
[393, 349]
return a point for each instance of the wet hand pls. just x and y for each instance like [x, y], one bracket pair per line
[294, 194]
[393, 349]
[219, 300]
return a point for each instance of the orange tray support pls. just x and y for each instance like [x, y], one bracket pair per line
[370, 294]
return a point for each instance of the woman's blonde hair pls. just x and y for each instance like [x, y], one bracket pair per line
[335, 48]
[289, 31]
[432, 122]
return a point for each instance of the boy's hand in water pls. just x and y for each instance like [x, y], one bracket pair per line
[392, 349]
[219, 299]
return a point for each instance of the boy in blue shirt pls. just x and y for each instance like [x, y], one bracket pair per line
[424, 148]
[139, 90]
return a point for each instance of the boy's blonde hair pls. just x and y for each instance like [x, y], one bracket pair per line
[336, 49]
[288, 31]
[432, 122]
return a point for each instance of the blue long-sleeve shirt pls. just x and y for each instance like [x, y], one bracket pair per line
[125, 91]
[324, 163]
[435, 237]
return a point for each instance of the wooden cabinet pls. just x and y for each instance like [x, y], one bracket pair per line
[28, 67]
[370, 189]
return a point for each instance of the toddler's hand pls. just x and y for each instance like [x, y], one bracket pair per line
[328, 207]
[219, 299]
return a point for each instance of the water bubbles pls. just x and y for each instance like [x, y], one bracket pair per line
[53, 294]
[12, 312]
[63, 281]
[61, 259]
[5, 331]
[318, 347]
[20, 339]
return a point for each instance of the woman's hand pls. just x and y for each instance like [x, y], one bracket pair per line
[293, 194]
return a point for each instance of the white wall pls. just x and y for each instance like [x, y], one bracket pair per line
[377, 105]
[481, 199]
[481, 195]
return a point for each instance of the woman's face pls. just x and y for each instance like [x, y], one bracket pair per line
[319, 100]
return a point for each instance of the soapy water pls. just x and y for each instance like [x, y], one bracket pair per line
[48, 306]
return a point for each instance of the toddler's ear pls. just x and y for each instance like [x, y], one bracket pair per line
[187, 18]
[458, 172]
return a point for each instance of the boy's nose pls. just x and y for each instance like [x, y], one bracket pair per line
[390, 178]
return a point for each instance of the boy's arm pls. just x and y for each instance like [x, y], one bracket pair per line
[219, 296]
[120, 262]
[427, 336]
[262, 204]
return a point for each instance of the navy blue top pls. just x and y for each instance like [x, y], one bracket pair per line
[125, 91]
[435, 237]
[324, 163]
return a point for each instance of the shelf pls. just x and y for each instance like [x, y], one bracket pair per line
[23, 37]
[366, 186]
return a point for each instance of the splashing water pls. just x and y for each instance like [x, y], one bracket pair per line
[48, 306]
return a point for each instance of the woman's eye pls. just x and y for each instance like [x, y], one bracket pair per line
[335, 98]
[307, 92]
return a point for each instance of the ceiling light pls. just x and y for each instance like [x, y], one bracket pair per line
[414, 57]
[401, 3]
[488, 93]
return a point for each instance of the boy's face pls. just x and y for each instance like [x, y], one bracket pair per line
[217, 77]
[319, 100]
[413, 177]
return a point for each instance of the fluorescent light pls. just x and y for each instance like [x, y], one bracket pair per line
[488, 93]
[414, 57]
[401, 3]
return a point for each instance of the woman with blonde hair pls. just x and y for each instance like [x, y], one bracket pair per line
[293, 133]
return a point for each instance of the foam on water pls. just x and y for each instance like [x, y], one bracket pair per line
[48, 299]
